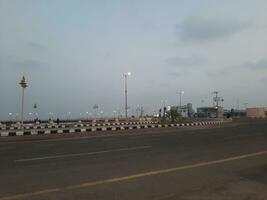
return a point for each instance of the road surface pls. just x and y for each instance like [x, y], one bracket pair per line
[228, 162]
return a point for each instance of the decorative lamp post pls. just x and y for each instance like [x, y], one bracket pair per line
[23, 85]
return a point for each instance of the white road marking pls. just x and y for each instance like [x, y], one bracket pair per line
[82, 154]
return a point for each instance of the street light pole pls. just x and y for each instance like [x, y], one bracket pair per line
[126, 98]
[23, 85]
[50, 115]
[114, 113]
[87, 115]
[35, 111]
[30, 115]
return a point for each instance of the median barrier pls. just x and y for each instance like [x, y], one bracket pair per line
[61, 129]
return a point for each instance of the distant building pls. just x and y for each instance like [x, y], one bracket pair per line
[210, 112]
[185, 110]
[234, 113]
[256, 112]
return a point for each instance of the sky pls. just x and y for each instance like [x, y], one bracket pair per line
[74, 53]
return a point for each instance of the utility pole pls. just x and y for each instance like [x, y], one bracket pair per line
[23, 85]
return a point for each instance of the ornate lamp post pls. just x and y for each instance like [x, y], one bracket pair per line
[23, 85]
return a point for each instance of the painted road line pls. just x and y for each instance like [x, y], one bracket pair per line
[131, 177]
[19, 196]
[82, 154]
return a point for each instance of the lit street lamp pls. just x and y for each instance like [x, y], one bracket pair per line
[30, 114]
[114, 113]
[10, 116]
[23, 85]
[101, 113]
[125, 84]
[69, 113]
[95, 107]
[50, 115]
[16, 116]
[36, 115]
[87, 113]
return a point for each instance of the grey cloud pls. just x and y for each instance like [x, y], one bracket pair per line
[223, 71]
[36, 45]
[30, 64]
[258, 65]
[203, 29]
[175, 74]
[184, 61]
[263, 80]
[180, 66]
[18, 63]
[248, 65]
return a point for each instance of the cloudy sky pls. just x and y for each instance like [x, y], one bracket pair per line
[74, 52]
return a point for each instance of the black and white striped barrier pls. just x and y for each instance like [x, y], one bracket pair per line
[76, 125]
[108, 128]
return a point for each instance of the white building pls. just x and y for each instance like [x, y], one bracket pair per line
[185, 110]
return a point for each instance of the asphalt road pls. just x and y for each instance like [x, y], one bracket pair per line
[220, 163]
